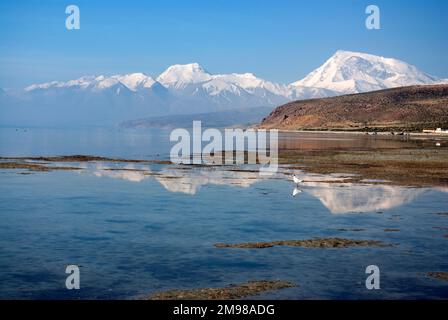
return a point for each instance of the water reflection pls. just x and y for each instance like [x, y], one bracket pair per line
[337, 195]
[189, 181]
[181, 179]
[130, 172]
[296, 191]
[352, 198]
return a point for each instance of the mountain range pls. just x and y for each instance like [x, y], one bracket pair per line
[190, 89]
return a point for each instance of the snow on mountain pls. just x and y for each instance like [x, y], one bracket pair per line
[191, 81]
[355, 72]
[247, 88]
[217, 86]
[179, 76]
[46, 85]
[443, 81]
[302, 93]
[189, 89]
[251, 83]
[345, 72]
[132, 81]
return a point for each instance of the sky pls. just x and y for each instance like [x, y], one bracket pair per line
[278, 40]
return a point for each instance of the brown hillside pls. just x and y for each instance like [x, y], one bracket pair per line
[406, 108]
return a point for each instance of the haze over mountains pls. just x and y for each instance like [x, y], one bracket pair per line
[190, 89]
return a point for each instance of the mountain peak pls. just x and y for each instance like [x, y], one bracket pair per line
[135, 80]
[345, 54]
[193, 67]
[247, 75]
[181, 75]
[349, 53]
[354, 72]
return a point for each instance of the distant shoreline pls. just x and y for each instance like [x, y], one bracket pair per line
[380, 133]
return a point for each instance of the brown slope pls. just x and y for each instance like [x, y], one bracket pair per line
[406, 108]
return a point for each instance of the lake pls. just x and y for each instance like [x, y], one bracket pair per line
[139, 228]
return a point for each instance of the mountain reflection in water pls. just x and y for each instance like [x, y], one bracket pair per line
[337, 196]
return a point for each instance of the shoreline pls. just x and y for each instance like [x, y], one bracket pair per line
[380, 133]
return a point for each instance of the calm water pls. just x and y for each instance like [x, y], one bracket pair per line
[139, 231]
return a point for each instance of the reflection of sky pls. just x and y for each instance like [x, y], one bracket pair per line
[336, 195]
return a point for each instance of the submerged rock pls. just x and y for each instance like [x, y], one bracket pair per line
[33, 166]
[351, 229]
[235, 291]
[310, 243]
[438, 275]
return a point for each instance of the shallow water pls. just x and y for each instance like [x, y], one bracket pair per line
[109, 142]
[134, 232]
[155, 143]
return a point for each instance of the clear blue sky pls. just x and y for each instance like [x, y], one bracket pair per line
[278, 40]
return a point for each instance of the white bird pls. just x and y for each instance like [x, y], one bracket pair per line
[296, 191]
[296, 179]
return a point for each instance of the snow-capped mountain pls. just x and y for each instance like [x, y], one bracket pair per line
[238, 89]
[132, 81]
[355, 72]
[180, 76]
[270, 92]
[253, 84]
[189, 89]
